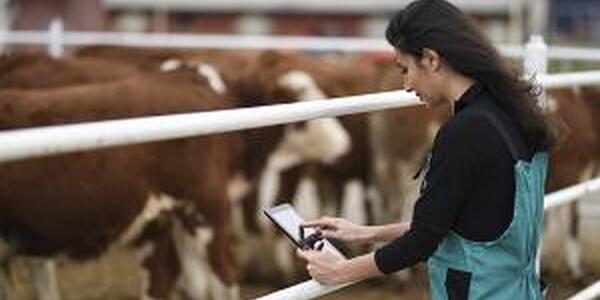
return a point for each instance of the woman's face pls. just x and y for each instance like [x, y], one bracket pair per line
[422, 76]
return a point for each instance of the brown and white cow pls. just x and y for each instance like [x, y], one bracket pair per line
[237, 76]
[164, 197]
[276, 149]
[576, 159]
[571, 162]
[327, 167]
[387, 146]
[401, 139]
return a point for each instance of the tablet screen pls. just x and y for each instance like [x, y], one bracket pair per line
[288, 220]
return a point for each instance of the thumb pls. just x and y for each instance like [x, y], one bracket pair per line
[302, 254]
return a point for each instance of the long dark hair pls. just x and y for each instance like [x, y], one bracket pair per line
[440, 26]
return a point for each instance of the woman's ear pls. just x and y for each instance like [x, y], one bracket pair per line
[431, 59]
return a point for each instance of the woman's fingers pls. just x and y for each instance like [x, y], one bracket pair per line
[300, 253]
[336, 228]
[306, 255]
[322, 223]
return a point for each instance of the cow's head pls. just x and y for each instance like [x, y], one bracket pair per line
[289, 77]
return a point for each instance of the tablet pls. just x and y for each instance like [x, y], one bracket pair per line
[286, 218]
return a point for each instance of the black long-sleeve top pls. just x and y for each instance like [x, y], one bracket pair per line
[468, 186]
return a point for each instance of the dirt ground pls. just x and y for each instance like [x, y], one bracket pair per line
[114, 277]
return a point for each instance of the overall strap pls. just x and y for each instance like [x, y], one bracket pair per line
[503, 131]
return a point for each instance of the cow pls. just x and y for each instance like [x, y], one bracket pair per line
[387, 146]
[40, 71]
[248, 78]
[146, 59]
[293, 76]
[591, 95]
[237, 76]
[401, 139]
[396, 139]
[275, 149]
[575, 159]
[165, 198]
[571, 162]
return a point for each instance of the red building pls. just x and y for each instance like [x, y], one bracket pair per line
[281, 17]
[294, 17]
[76, 14]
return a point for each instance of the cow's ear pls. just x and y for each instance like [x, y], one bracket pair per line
[271, 58]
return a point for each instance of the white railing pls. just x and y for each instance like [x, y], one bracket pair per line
[306, 290]
[590, 293]
[56, 39]
[566, 195]
[562, 80]
[571, 53]
[28, 143]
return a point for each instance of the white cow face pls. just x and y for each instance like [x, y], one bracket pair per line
[325, 139]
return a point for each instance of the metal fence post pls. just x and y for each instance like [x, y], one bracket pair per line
[55, 42]
[535, 61]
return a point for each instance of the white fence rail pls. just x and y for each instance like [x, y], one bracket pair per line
[562, 80]
[21, 144]
[26, 143]
[571, 53]
[567, 195]
[590, 293]
[56, 38]
[180, 40]
[309, 289]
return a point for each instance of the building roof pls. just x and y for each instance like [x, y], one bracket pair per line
[298, 6]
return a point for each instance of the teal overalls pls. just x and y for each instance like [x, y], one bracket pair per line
[506, 267]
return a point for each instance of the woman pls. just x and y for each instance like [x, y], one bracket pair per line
[478, 220]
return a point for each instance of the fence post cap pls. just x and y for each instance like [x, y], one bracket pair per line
[536, 38]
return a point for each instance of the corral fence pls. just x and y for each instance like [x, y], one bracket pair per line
[56, 39]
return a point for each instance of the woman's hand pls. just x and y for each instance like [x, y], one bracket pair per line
[331, 269]
[323, 266]
[341, 229]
